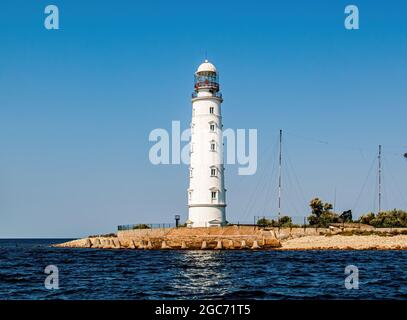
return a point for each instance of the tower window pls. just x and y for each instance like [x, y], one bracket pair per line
[190, 194]
[214, 195]
[212, 127]
[213, 172]
[211, 109]
[190, 172]
[213, 146]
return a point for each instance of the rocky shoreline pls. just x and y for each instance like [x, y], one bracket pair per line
[230, 237]
[241, 238]
[344, 242]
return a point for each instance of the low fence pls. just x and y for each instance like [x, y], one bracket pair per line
[258, 221]
[299, 222]
[276, 221]
[146, 226]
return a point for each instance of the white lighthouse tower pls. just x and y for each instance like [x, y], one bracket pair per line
[206, 193]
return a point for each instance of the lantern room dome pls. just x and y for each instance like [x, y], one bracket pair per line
[206, 66]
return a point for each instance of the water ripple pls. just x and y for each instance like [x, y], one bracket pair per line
[131, 274]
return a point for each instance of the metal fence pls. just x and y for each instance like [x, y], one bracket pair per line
[145, 226]
[294, 221]
[297, 221]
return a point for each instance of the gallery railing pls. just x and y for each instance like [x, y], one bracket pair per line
[214, 94]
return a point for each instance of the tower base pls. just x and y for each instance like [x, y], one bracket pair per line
[206, 216]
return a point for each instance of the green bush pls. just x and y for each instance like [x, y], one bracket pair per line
[367, 218]
[321, 214]
[386, 219]
[141, 226]
[285, 221]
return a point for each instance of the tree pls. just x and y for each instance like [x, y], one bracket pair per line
[265, 222]
[284, 221]
[321, 214]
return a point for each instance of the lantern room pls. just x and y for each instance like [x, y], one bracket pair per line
[206, 77]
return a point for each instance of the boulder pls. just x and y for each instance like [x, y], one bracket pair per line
[255, 245]
[219, 245]
[132, 245]
[88, 243]
[164, 245]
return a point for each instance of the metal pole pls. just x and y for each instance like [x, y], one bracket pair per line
[335, 200]
[380, 179]
[279, 175]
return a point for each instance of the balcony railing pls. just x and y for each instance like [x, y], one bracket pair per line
[207, 85]
[214, 94]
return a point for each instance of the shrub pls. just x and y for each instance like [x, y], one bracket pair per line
[386, 219]
[285, 221]
[141, 226]
[111, 235]
[390, 219]
[367, 218]
[321, 214]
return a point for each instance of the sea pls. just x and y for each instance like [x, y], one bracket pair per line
[86, 274]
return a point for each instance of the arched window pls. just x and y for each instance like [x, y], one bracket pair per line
[212, 126]
[214, 193]
[213, 145]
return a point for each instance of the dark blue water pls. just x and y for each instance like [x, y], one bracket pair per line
[133, 274]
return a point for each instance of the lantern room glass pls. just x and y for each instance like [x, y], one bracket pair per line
[207, 80]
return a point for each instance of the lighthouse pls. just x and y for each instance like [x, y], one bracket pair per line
[206, 193]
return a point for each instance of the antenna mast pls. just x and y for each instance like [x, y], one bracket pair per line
[380, 178]
[279, 175]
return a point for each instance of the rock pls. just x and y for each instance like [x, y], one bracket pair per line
[219, 245]
[243, 245]
[231, 245]
[283, 236]
[142, 245]
[183, 245]
[204, 245]
[106, 244]
[164, 245]
[132, 245]
[88, 243]
[149, 245]
[255, 245]
[116, 244]
[96, 243]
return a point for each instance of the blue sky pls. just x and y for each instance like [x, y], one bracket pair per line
[77, 106]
